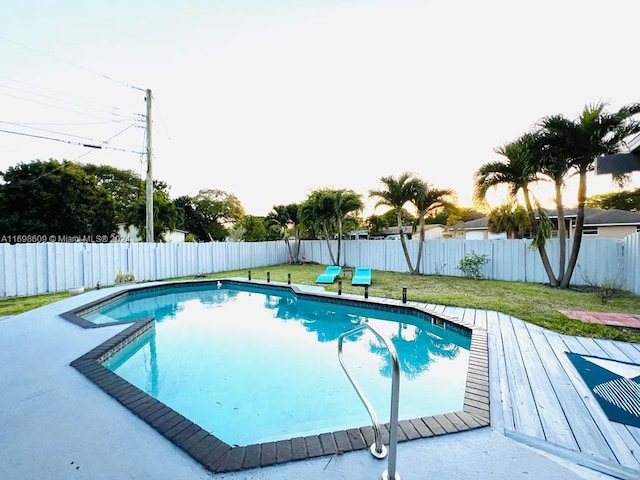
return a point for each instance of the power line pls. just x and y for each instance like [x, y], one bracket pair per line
[15, 124]
[70, 142]
[51, 106]
[61, 99]
[107, 77]
[114, 111]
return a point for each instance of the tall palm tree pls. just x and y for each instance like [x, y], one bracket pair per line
[509, 219]
[317, 213]
[595, 132]
[294, 219]
[346, 203]
[396, 194]
[280, 217]
[549, 161]
[329, 209]
[427, 199]
[516, 173]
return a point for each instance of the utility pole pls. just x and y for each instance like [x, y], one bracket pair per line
[149, 184]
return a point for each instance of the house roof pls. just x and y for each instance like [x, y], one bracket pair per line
[409, 229]
[592, 217]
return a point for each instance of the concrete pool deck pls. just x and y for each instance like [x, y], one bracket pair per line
[55, 424]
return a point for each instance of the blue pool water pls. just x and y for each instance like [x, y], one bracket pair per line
[252, 364]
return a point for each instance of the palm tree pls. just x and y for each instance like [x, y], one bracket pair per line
[294, 219]
[316, 212]
[506, 218]
[346, 204]
[595, 132]
[329, 209]
[516, 173]
[548, 161]
[398, 192]
[428, 199]
[280, 217]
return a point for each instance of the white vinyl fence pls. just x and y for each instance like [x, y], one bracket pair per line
[29, 269]
[513, 260]
[33, 268]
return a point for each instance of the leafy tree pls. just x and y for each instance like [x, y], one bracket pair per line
[209, 214]
[54, 198]
[376, 224]
[293, 210]
[397, 193]
[626, 200]
[579, 142]
[236, 234]
[189, 220]
[548, 160]
[513, 220]
[255, 229]
[428, 200]
[166, 216]
[391, 217]
[285, 219]
[328, 210]
[516, 172]
[124, 186]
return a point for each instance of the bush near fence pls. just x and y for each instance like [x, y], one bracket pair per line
[34, 268]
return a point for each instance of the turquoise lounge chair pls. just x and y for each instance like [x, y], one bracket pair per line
[329, 275]
[361, 276]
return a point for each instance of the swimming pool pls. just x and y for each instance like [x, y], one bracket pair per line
[266, 370]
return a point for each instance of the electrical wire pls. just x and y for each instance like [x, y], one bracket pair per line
[52, 106]
[32, 93]
[107, 77]
[109, 111]
[52, 131]
[70, 142]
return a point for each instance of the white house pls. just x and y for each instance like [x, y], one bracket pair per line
[132, 235]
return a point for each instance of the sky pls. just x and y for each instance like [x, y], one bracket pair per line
[272, 99]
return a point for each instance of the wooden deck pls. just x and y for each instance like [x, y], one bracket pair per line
[538, 397]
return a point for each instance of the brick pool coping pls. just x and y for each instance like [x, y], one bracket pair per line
[217, 456]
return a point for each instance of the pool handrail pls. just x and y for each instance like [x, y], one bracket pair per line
[377, 449]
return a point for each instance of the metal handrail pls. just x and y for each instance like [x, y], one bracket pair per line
[377, 449]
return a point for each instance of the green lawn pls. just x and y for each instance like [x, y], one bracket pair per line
[534, 303]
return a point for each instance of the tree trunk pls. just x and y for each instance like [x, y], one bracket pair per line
[288, 243]
[298, 246]
[543, 252]
[562, 231]
[577, 238]
[416, 270]
[339, 242]
[326, 237]
[404, 243]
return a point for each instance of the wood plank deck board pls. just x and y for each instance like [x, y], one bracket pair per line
[630, 350]
[548, 407]
[519, 387]
[499, 404]
[620, 451]
[613, 350]
[536, 393]
[579, 405]
[480, 318]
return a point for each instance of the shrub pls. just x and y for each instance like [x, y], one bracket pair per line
[472, 264]
[122, 277]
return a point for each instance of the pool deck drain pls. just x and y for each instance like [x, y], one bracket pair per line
[217, 456]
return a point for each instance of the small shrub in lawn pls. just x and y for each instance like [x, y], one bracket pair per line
[472, 264]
